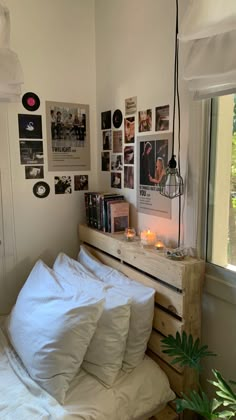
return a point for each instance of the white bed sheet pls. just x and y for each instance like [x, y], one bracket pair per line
[133, 397]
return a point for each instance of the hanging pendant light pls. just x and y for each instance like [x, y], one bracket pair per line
[172, 184]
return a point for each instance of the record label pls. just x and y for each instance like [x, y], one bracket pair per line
[30, 101]
[117, 118]
[41, 189]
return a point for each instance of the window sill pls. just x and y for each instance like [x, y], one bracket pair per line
[220, 283]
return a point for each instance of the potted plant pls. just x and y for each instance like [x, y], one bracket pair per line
[187, 352]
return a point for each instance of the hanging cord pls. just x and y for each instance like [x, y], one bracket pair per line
[175, 80]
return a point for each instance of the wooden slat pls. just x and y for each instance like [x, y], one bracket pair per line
[170, 299]
[166, 414]
[155, 345]
[165, 323]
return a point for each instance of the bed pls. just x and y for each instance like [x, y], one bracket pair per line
[178, 286]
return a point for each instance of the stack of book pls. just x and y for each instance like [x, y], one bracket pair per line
[106, 211]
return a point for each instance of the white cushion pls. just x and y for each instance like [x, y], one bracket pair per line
[106, 350]
[51, 326]
[142, 306]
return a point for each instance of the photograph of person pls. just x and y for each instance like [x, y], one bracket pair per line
[159, 171]
[129, 177]
[117, 141]
[105, 161]
[34, 172]
[81, 182]
[107, 140]
[106, 120]
[162, 118]
[31, 152]
[62, 185]
[146, 162]
[115, 180]
[129, 155]
[129, 124]
[116, 162]
[68, 125]
[145, 121]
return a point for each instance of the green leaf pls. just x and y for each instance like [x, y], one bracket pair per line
[200, 404]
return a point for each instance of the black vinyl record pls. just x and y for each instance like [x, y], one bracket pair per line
[41, 189]
[31, 101]
[117, 118]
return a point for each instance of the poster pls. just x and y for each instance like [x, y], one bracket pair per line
[162, 118]
[30, 126]
[31, 152]
[131, 105]
[153, 156]
[68, 136]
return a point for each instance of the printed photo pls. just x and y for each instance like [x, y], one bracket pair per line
[107, 140]
[145, 121]
[162, 118]
[68, 123]
[81, 182]
[106, 120]
[30, 126]
[31, 152]
[120, 223]
[117, 141]
[131, 105]
[62, 185]
[116, 162]
[153, 161]
[34, 172]
[129, 124]
[115, 180]
[129, 155]
[129, 177]
[105, 161]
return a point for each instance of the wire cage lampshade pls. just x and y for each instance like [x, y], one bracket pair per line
[172, 185]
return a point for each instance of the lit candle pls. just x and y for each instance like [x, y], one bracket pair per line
[148, 237]
[130, 234]
[159, 246]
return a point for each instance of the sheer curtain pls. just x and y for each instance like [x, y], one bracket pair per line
[11, 74]
[208, 40]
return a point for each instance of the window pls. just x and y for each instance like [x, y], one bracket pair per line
[221, 235]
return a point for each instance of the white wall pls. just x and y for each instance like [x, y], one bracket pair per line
[55, 41]
[135, 57]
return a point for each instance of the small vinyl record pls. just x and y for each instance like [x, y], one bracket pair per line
[117, 118]
[31, 101]
[41, 189]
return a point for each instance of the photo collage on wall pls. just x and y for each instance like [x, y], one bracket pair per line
[32, 148]
[118, 156]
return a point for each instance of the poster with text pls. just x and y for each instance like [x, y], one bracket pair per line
[153, 157]
[68, 136]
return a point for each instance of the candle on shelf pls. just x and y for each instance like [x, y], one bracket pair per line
[159, 246]
[148, 238]
[130, 234]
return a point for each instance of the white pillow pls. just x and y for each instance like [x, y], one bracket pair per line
[51, 326]
[142, 306]
[106, 350]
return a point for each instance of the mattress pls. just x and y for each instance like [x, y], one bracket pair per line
[134, 395]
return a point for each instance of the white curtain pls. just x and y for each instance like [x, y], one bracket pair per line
[11, 74]
[208, 40]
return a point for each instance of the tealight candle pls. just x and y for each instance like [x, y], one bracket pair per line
[159, 246]
[130, 234]
[148, 238]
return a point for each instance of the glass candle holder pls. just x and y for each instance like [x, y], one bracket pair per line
[130, 234]
[159, 245]
[148, 238]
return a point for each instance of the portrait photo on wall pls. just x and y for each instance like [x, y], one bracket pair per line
[116, 162]
[105, 161]
[31, 152]
[153, 157]
[107, 140]
[162, 118]
[145, 121]
[81, 182]
[129, 155]
[30, 126]
[129, 127]
[129, 177]
[68, 136]
[117, 141]
[106, 120]
[34, 172]
[116, 180]
[62, 185]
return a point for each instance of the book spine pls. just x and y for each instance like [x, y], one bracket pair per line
[90, 209]
[86, 201]
[105, 218]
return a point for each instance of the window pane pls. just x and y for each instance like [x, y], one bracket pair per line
[221, 244]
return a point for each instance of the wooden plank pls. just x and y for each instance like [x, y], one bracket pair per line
[165, 323]
[155, 345]
[166, 414]
[165, 296]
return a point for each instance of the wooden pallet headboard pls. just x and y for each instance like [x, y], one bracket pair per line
[178, 286]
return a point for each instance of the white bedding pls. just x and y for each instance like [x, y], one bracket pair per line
[134, 395]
